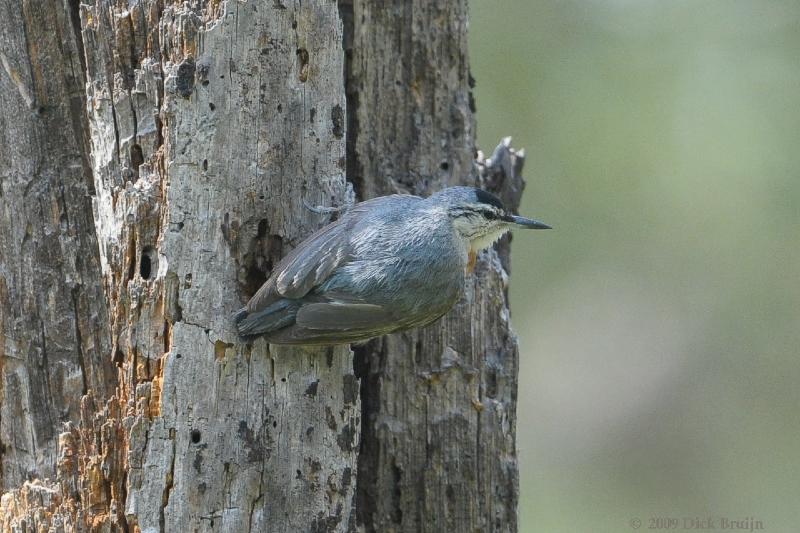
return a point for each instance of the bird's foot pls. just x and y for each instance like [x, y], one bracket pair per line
[349, 201]
[322, 210]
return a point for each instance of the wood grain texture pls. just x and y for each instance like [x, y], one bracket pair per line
[197, 132]
[210, 124]
[413, 125]
[54, 338]
[223, 123]
[439, 404]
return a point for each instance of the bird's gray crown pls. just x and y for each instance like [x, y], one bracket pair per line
[467, 195]
[477, 213]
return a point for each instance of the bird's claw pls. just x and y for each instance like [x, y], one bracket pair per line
[322, 210]
[349, 201]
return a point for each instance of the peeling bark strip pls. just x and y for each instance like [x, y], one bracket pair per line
[200, 130]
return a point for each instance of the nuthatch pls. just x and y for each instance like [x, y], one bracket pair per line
[388, 264]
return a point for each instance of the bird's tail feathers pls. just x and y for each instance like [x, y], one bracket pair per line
[274, 317]
[240, 315]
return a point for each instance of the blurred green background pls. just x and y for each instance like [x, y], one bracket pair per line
[660, 321]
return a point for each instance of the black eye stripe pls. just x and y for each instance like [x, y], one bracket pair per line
[488, 198]
[489, 214]
[471, 212]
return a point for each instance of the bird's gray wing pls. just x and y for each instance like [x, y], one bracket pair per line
[313, 261]
[343, 316]
[305, 266]
[317, 257]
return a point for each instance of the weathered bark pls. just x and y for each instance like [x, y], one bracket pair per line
[210, 124]
[54, 340]
[438, 404]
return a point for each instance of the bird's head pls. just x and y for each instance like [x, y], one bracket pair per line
[480, 217]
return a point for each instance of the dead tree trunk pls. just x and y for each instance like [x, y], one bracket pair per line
[438, 404]
[54, 342]
[195, 132]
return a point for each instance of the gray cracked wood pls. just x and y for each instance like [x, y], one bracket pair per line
[210, 123]
[206, 140]
[209, 126]
[439, 404]
[54, 337]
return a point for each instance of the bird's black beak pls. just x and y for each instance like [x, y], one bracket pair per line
[528, 223]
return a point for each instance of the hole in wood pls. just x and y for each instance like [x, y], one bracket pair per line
[302, 57]
[147, 263]
[263, 226]
[195, 436]
[337, 118]
[137, 158]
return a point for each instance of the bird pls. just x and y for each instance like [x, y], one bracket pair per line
[387, 264]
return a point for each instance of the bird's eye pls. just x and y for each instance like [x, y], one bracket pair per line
[491, 215]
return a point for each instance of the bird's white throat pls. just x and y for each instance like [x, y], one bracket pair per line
[484, 241]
